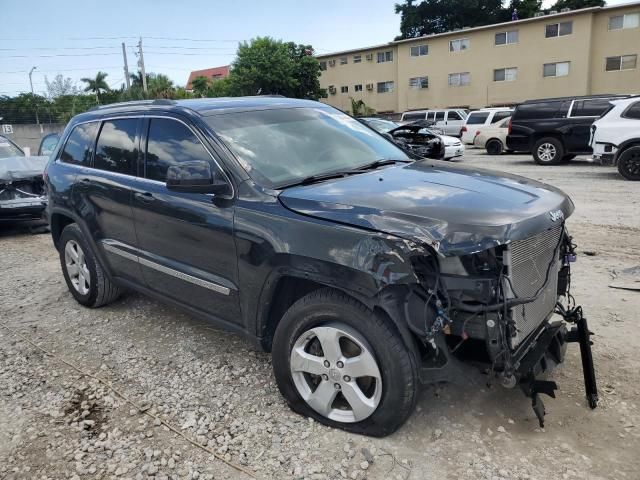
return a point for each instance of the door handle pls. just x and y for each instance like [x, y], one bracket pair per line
[146, 197]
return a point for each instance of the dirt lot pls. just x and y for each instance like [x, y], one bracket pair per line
[57, 423]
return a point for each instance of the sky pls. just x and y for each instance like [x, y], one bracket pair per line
[77, 38]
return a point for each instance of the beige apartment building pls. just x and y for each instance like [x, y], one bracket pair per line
[578, 52]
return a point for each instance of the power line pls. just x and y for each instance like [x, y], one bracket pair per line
[64, 70]
[61, 55]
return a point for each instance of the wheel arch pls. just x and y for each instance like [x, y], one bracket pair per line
[632, 142]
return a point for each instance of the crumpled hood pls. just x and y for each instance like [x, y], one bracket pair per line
[455, 209]
[18, 168]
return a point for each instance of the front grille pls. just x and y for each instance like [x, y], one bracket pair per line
[527, 261]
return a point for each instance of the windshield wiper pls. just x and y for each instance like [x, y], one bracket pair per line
[380, 163]
[321, 177]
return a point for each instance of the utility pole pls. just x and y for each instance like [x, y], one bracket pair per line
[31, 83]
[126, 67]
[141, 65]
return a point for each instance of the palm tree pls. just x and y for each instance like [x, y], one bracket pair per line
[199, 85]
[160, 86]
[136, 79]
[96, 85]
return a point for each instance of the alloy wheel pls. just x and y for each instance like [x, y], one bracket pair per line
[547, 152]
[76, 265]
[335, 372]
[631, 165]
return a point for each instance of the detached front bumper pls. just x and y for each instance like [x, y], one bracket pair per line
[452, 151]
[605, 153]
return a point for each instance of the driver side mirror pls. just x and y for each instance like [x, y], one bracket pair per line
[196, 177]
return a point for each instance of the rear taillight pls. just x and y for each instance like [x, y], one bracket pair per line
[509, 130]
[477, 132]
[462, 130]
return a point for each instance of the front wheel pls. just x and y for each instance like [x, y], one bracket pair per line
[548, 151]
[629, 163]
[494, 147]
[344, 365]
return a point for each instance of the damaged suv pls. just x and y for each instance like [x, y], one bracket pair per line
[362, 271]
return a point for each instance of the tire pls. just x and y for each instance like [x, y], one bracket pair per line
[98, 290]
[340, 321]
[494, 147]
[629, 163]
[548, 151]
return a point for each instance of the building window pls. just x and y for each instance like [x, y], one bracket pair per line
[623, 62]
[630, 20]
[344, 89]
[385, 56]
[505, 74]
[343, 60]
[418, 83]
[560, 69]
[357, 88]
[419, 50]
[458, 45]
[459, 79]
[558, 29]
[385, 87]
[323, 65]
[357, 58]
[506, 38]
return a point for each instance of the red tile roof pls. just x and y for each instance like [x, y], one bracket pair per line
[216, 72]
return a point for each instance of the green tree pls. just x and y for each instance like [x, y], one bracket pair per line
[360, 109]
[96, 85]
[438, 16]
[60, 86]
[219, 88]
[136, 79]
[160, 86]
[272, 67]
[576, 4]
[199, 85]
[526, 9]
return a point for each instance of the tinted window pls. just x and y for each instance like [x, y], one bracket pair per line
[632, 111]
[170, 142]
[454, 116]
[79, 146]
[477, 118]
[439, 116]
[537, 110]
[116, 149]
[499, 116]
[413, 116]
[590, 108]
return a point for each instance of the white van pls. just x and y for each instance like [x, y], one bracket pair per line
[448, 120]
[482, 117]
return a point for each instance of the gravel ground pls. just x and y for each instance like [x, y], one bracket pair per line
[213, 388]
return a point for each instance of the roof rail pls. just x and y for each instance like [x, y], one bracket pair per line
[135, 103]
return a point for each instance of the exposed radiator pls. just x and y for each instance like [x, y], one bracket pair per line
[527, 262]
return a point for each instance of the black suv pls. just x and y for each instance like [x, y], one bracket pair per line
[555, 130]
[363, 271]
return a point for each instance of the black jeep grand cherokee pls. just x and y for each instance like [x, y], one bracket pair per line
[363, 271]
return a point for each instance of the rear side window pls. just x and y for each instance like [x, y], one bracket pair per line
[79, 146]
[116, 149]
[499, 116]
[413, 116]
[170, 142]
[632, 111]
[590, 108]
[477, 118]
[536, 110]
[439, 116]
[454, 116]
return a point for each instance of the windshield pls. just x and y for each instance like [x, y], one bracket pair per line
[382, 126]
[283, 146]
[8, 149]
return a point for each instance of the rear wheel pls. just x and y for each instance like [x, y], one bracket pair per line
[494, 147]
[629, 163]
[548, 151]
[342, 364]
[85, 278]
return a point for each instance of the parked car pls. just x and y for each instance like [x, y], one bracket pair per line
[483, 117]
[22, 192]
[362, 271]
[615, 137]
[418, 138]
[48, 144]
[492, 137]
[448, 120]
[555, 130]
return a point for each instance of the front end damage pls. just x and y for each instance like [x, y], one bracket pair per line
[496, 309]
[22, 191]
